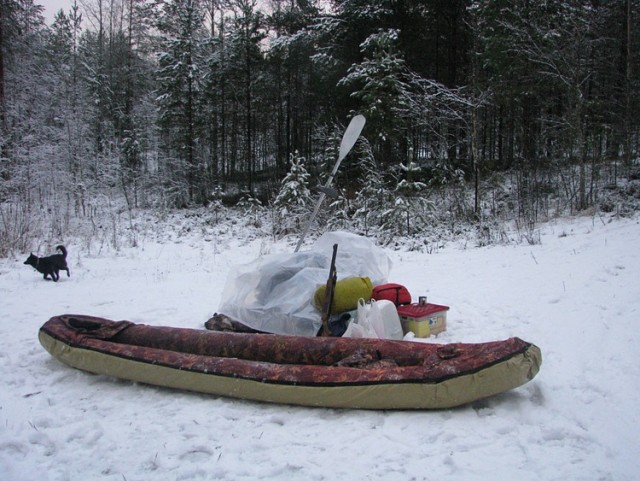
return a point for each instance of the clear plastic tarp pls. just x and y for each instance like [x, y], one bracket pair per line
[274, 293]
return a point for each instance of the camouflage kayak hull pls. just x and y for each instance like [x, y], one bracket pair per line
[307, 371]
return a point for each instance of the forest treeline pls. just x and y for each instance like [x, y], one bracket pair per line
[179, 103]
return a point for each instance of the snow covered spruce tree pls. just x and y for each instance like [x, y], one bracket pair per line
[252, 209]
[377, 83]
[410, 211]
[291, 205]
[373, 197]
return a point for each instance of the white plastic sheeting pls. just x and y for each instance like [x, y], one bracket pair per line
[274, 293]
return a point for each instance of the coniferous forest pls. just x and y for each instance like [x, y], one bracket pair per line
[478, 112]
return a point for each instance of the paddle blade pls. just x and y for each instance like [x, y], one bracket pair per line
[351, 135]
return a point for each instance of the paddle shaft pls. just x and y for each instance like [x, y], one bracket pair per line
[348, 141]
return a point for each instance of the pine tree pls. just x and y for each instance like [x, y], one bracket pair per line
[179, 77]
[215, 203]
[71, 107]
[290, 66]
[246, 61]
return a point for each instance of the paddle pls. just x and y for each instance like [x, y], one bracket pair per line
[348, 141]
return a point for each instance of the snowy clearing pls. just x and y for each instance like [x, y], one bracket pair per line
[576, 295]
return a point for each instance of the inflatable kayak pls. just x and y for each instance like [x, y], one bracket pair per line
[308, 371]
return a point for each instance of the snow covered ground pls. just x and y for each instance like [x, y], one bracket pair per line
[576, 295]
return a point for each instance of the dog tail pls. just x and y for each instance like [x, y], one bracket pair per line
[62, 249]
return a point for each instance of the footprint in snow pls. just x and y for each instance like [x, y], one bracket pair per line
[197, 454]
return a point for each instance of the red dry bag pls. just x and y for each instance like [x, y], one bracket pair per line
[396, 293]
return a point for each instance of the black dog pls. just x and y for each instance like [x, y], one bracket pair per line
[50, 266]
